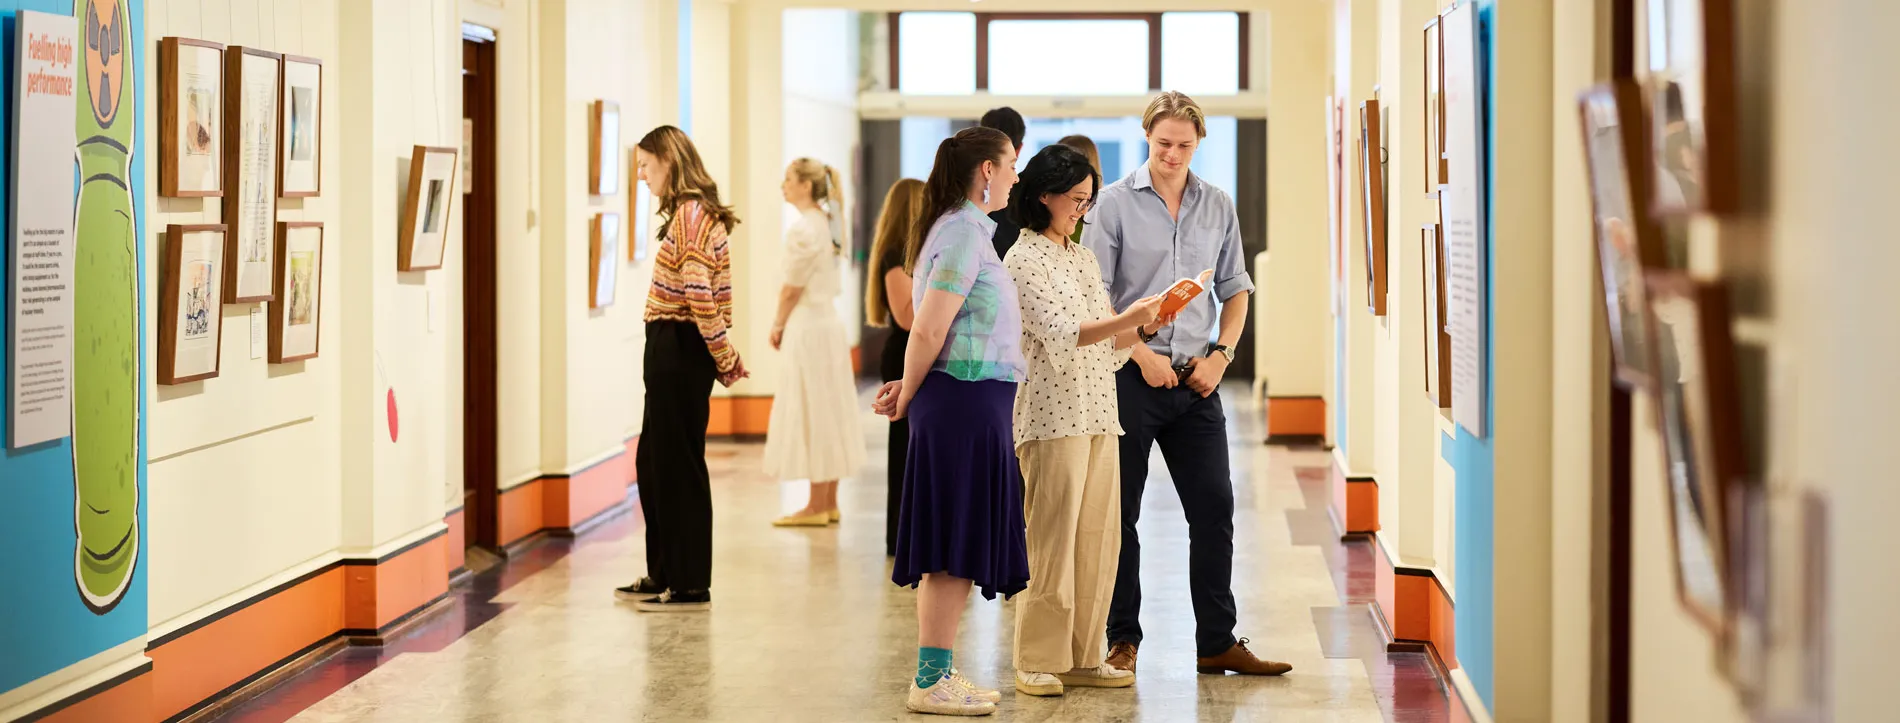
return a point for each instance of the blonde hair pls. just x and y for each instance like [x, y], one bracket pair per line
[902, 204]
[686, 179]
[826, 192]
[1086, 146]
[1176, 105]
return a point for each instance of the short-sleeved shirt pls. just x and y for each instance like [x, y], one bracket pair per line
[1070, 390]
[1143, 251]
[985, 339]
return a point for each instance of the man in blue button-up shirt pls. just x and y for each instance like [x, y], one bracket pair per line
[1159, 225]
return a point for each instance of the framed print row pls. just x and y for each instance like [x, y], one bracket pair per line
[195, 267]
[197, 78]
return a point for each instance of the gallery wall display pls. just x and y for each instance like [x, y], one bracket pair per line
[190, 118]
[1372, 201]
[603, 260]
[251, 142]
[603, 144]
[1461, 201]
[300, 167]
[1433, 167]
[1694, 143]
[640, 209]
[296, 321]
[190, 318]
[1700, 422]
[1628, 241]
[425, 215]
[1432, 297]
[40, 358]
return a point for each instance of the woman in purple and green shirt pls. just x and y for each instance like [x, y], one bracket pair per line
[961, 520]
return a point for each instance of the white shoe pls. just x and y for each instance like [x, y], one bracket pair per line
[947, 697]
[990, 694]
[1042, 684]
[1100, 676]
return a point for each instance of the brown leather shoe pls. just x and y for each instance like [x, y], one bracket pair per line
[1122, 655]
[1239, 660]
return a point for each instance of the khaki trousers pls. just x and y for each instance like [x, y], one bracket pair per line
[1072, 507]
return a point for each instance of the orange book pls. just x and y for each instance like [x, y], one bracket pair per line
[1177, 296]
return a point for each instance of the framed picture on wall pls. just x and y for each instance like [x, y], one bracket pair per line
[640, 210]
[190, 118]
[603, 260]
[251, 89]
[296, 322]
[1700, 422]
[1437, 340]
[300, 168]
[1694, 146]
[1628, 241]
[1434, 135]
[1372, 173]
[603, 167]
[190, 304]
[425, 215]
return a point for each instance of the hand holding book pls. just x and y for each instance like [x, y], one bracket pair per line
[1177, 296]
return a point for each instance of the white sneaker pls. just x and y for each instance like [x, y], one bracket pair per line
[1042, 684]
[1101, 676]
[990, 694]
[947, 697]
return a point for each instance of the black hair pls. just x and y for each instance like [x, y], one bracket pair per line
[1007, 120]
[1055, 169]
[951, 176]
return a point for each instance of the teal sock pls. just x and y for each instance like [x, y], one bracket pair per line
[932, 665]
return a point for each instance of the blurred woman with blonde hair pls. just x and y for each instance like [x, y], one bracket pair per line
[887, 303]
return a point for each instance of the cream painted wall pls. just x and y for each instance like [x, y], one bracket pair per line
[1293, 332]
[754, 143]
[820, 84]
[251, 455]
[1356, 70]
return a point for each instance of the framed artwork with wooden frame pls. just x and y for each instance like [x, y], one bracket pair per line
[1694, 142]
[190, 304]
[1700, 421]
[296, 324]
[190, 118]
[300, 160]
[603, 258]
[1434, 167]
[1372, 172]
[639, 213]
[1432, 296]
[1628, 241]
[425, 215]
[252, 90]
[603, 145]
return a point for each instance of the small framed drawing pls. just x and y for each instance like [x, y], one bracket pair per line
[1372, 172]
[1437, 340]
[425, 218]
[190, 317]
[603, 259]
[1628, 241]
[1694, 143]
[300, 169]
[603, 159]
[190, 118]
[1697, 414]
[640, 209]
[1434, 144]
[296, 323]
[251, 88]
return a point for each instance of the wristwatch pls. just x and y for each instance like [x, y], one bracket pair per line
[1145, 336]
[1223, 350]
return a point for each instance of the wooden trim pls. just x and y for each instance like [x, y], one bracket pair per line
[279, 317]
[168, 149]
[1372, 186]
[481, 301]
[1246, 50]
[406, 242]
[1154, 52]
[234, 164]
[283, 129]
[983, 51]
[596, 136]
[596, 238]
[168, 303]
[1621, 543]
[892, 31]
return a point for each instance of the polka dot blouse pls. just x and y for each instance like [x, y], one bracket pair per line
[1069, 392]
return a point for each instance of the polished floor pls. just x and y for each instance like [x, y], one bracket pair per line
[806, 625]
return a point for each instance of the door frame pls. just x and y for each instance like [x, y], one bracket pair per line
[481, 386]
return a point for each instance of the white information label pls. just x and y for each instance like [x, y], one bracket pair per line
[260, 336]
[43, 255]
[1464, 220]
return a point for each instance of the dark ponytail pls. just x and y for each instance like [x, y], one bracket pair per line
[958, 158]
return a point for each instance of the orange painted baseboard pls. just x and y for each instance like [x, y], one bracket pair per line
[124, 698]
[739, 416]
[1424, 613]
[1296, 416]
[857, 361]
[455, 554]
[563, 502]
[633, 453]
[1362, 506]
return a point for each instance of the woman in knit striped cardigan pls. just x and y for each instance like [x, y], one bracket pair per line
[688, 314]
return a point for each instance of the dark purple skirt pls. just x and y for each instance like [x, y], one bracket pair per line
[962, 512]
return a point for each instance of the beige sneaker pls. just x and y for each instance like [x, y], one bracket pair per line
[1042, 684]
[947, 697]
[989, 694]
[1101, 676]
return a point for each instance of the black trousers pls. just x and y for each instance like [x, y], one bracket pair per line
[675, 488]
[1192, 432]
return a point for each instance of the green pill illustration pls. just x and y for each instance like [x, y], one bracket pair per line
[105, 312]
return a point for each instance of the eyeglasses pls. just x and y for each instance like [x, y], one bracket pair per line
[1082, 205]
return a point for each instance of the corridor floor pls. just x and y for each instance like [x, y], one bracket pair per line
[806, 625]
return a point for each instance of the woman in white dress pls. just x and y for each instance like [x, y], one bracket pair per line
[814, 433]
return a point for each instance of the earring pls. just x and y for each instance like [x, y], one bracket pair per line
[986, 195]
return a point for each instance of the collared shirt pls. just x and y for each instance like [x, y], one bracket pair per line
[985, 339]
[1143, 251]
[1070, 391]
